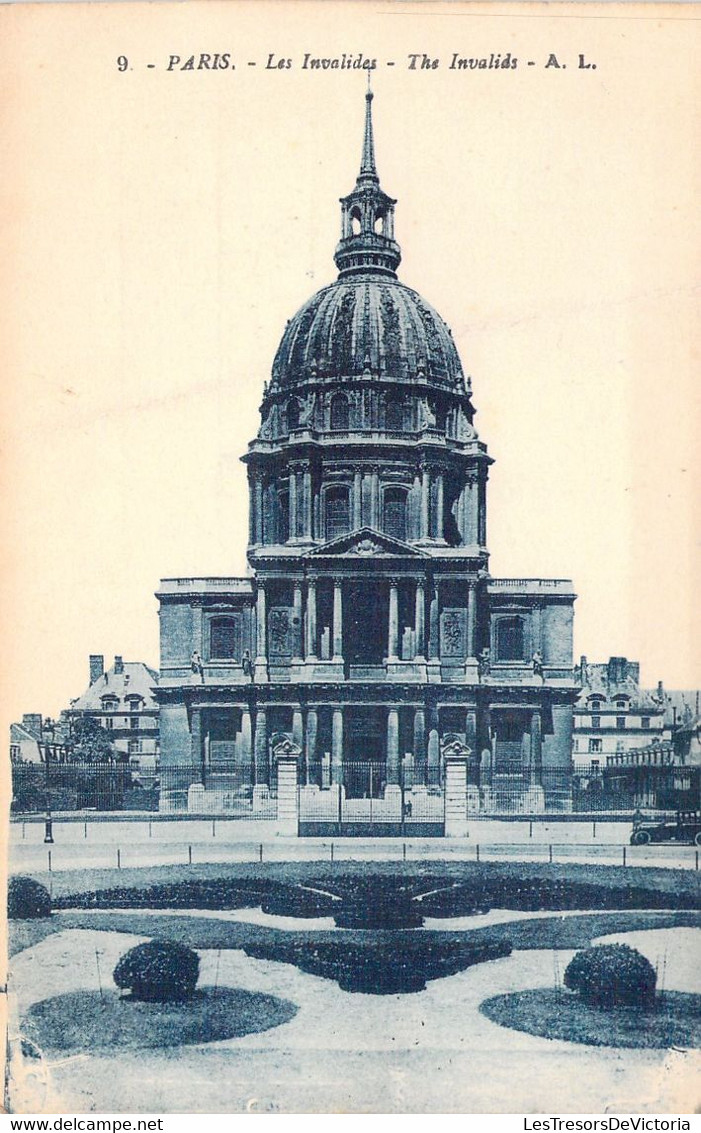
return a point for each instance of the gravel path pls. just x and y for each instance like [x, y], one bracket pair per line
[423, 1053]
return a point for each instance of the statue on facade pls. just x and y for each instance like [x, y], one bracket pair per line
[196, 665]
[247, 664]
[537, 663]
[484, 663]
[306, 413]
[427, 415]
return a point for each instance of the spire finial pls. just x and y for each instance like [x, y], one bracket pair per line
[367, 217]
[367, 164]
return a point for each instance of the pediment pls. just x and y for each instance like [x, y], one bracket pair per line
[367, 543]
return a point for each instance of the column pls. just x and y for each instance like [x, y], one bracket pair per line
[357, 499]
[297, 726]
[433, 625]
[433, 752]
[537, 632]
[420, 621]
[420, 745]
[246, 739]
[482, 511]
[337, 746]
[536, 754]
[198, 628]
[310, 742]
[471, 597]
[196, 745]
[393, 638]
[257, 508]
[425, 502]
[393, 747]
[439, 507]
[261, 650]
[311, 619]
[471, 509]
[297, 622]
[260, 747]
[307, 503]
[375, 498]
[337, 620]
[251, 508]
[293, 505]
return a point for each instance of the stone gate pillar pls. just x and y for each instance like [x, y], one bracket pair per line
[286, 756]
[456, 755]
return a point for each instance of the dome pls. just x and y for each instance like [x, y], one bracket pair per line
[367, 324]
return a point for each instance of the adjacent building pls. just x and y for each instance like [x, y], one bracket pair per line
[665, 775]
[121, 699]
[369, 631]
[613, 714]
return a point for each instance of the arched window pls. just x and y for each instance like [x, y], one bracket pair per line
[394, 415]
[337, 512]
[339, 412]
[355, 222]
[224, 639]
[293, 412]
[283, 516]
[510, 639]
[380, 223]
[395, 512]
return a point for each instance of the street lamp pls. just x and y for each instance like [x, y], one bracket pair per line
[49, 729]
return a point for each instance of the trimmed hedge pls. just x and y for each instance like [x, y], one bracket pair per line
[612, 975]
[27, 899]
[433, 896]
[159, 970]
[390, 964]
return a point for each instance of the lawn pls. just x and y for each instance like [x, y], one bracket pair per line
[93, 1022]
[550, 1013]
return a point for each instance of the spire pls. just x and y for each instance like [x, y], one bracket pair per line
[368, 170]
[367, 216]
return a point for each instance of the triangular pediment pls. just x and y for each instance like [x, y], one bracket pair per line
[367, 543]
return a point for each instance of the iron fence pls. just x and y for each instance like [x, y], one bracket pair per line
[226, 788]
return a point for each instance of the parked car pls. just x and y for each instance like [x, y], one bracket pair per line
[685, 828]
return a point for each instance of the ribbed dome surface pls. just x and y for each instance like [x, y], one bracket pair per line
[368, 323]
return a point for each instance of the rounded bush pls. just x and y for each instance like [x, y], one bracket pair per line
[612, 975]
[27, 899]
[158, 970]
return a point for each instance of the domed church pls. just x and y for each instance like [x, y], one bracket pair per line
[369, 638]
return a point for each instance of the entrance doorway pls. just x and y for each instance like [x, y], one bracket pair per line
[365, 623]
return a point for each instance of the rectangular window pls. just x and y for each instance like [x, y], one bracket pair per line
[645, 722]
[225, 639]
[108, 721]
[620, 721]
[596, 721]
[620, 746]
[134, 722]
[509, 639]
[134, 747]
[594, 745]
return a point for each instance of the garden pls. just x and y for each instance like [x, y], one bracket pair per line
[239, 955]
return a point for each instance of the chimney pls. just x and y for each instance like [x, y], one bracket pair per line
[97, 667]
[32, 722]
[617, 670]
[118, 665]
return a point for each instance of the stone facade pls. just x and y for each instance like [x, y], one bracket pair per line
[369, 628]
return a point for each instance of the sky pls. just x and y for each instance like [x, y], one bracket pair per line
[160, 227]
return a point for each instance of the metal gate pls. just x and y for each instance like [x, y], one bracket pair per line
[361, 803]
